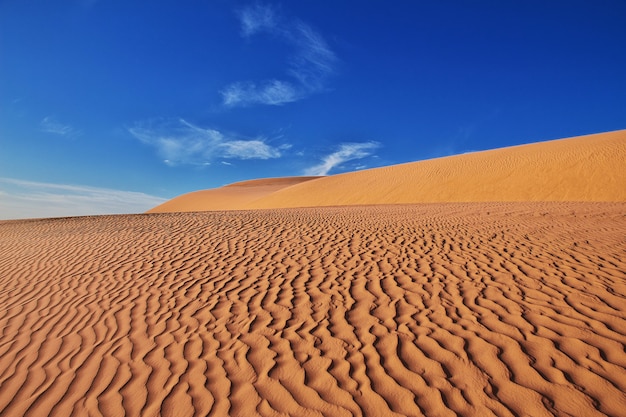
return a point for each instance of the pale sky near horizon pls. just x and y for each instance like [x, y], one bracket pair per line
[113, 106]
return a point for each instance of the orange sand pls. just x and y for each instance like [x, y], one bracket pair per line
[470, 308]
[473, 309]
[586, 168]
[225, 198]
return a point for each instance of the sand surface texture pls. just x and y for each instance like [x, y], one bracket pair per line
[585, 168]
[475, 309]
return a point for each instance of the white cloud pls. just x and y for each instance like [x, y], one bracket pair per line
[249, 149]
[273, 92]
[309, 68]
[50, 125]
[346, 152]
[180, 142]
[314, 61]
[257, 18]
[28, 199]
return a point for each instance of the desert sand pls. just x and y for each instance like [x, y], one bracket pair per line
[488, 308]
[229, 197]
[585, 168]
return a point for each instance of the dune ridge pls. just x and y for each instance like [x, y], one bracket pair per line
[228, 197]
[473, 309]
[585, 168]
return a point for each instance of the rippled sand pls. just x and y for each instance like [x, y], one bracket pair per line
[435, 309]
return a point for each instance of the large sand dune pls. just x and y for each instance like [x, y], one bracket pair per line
[475, 309]
[586, 168]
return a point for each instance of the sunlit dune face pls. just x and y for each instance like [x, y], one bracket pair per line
[587, 168]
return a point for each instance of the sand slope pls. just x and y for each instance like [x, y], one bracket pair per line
[507, 309]
[586, 168]
[229, 197]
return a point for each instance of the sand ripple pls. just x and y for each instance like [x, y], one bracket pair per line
[444, 309]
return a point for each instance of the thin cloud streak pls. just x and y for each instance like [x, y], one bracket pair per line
[180, 142]
[273, 92]
[256, 19]
[50, 125]
[28, 199]
[314, 61]
[346, 152]
[249, 149]
[310, 67]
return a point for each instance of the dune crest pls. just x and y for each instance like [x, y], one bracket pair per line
[585, 168]
[229, 197]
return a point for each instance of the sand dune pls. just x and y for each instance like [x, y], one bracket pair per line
[586, 168]
[476, 309]
[228, 197]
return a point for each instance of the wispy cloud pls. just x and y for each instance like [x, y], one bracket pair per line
[50, 125]
[257, 18]
[180, 142]
[272, 92]
[346, 152]
[309, 68]
[27, 199]
[249, 149]
[314, 61]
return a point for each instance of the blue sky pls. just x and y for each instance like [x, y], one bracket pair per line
[113, 106]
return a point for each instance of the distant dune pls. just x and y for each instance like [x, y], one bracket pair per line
[586, 168]
[502, 305]
[229, 197]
